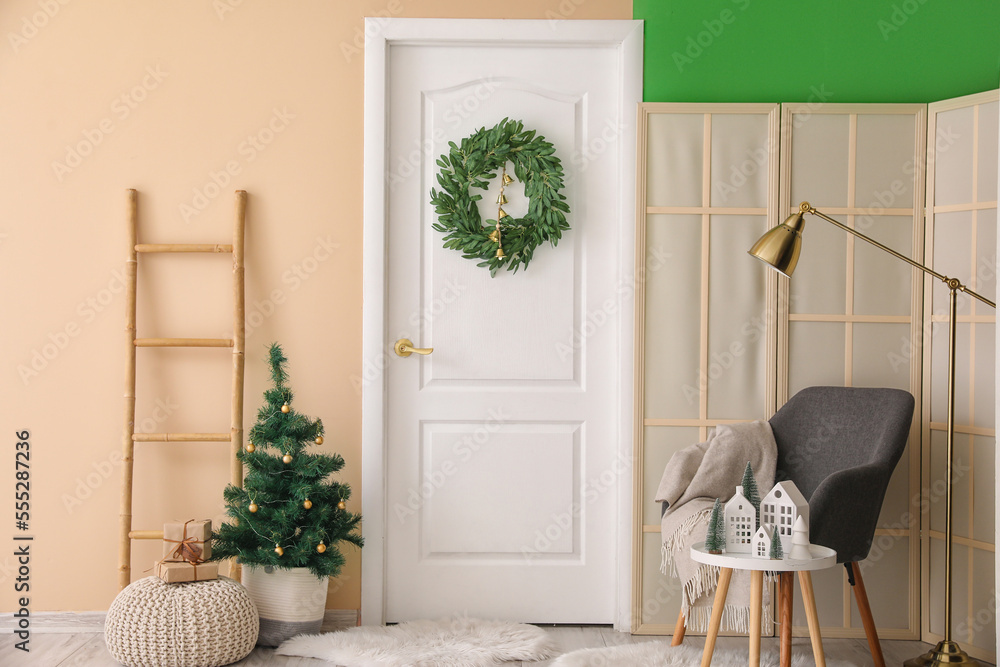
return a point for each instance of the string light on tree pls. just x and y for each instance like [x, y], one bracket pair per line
[289, 480]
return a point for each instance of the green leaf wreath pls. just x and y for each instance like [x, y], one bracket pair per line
[471, 165]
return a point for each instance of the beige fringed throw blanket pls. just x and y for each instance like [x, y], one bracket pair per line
[692, 480]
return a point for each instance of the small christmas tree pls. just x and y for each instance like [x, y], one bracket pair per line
[287, 514]
[776, 552]
[751, 493]
[715, 538]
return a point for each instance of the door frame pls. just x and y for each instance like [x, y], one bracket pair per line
[626, 36]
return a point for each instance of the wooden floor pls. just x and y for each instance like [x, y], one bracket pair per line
[86, 649]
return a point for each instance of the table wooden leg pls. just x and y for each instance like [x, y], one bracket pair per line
[786, 581]
[678, 630]
[809, 602]
[756, 598]
[718, 606]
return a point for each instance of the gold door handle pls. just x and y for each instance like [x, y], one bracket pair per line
[404, 348]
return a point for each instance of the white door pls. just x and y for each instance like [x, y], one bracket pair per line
[503, 448]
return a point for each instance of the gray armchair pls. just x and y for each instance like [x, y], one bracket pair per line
[840, 445]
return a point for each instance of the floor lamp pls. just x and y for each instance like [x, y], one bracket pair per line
[779, 247]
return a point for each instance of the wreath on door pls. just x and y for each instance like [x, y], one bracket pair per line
[505, 241]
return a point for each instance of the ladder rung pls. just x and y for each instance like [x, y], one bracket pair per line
[145, 534]
[184, 247]
[181, 437]
[183, 342]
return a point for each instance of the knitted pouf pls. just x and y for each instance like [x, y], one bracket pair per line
[196, 624]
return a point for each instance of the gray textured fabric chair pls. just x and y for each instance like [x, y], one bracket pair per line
[840, 445]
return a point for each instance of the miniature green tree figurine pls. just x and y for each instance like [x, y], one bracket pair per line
[751, 493]
[776, 552]
[287, 514]
[715, 538]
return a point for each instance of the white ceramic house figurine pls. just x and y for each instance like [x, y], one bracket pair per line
[760, 546]
[781, 507]
[800, 540]
[740, 518]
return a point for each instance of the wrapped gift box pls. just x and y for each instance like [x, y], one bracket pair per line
[176, 573]
[187, 540]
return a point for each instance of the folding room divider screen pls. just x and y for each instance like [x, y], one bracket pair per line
[721, 339]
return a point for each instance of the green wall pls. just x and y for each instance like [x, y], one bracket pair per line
[819, 50]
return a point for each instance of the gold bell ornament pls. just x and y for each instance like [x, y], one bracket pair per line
[500, 253]
[507, 180]
[501, 214]
[494, 236]
[501, 198]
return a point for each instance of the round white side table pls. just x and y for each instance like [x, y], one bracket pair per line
[823, 557]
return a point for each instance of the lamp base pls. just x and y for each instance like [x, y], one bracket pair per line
[945, 653]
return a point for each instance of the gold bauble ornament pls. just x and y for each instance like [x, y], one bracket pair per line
[342, 505]
[307, 504]
[279, 551]
[287, 458]
[253, 507]
[319, 440]
[251, 447]
[285, 408]
[321, 547]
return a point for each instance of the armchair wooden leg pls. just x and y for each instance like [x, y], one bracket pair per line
[866, 615]
[678, 630]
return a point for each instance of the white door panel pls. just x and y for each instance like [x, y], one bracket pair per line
[496, 443]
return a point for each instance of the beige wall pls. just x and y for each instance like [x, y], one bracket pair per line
[104, 95]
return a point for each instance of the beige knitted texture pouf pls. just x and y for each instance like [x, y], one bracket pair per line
[197, 624]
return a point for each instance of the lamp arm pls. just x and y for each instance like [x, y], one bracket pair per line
[952, 283]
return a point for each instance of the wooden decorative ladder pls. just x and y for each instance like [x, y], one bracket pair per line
[129, 436]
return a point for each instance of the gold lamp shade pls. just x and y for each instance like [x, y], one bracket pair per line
[780, 246]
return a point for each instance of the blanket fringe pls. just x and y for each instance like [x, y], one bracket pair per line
[670, 542]
[734, 618]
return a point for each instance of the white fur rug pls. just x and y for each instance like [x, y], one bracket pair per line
[661, 654]
[449, 642]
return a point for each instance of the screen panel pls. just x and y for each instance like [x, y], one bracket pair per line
[961, 243]
[706, 354]
[854, 310]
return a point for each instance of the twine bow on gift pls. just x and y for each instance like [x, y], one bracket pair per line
[189, 549]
